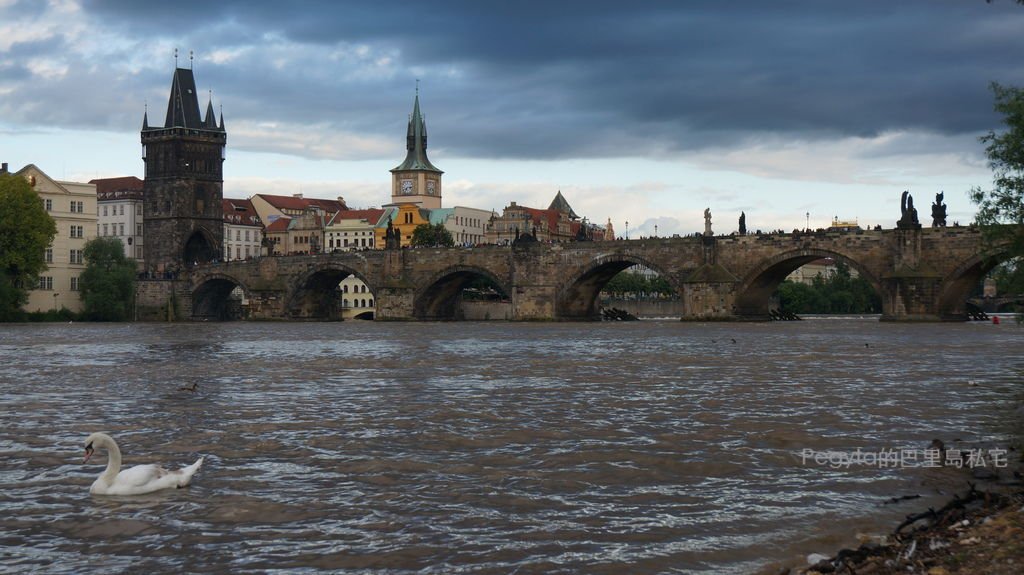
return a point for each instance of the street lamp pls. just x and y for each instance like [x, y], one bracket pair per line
[55, 294]
[655, 230]
[627, 229]
[807, 226]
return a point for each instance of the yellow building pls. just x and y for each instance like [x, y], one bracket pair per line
[404, 218]
[72, 205]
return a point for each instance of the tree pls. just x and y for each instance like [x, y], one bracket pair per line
[432, 236]
[26, 230]
[108, 282]
[1001, 209]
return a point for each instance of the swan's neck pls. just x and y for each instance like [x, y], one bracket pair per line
[113, 461]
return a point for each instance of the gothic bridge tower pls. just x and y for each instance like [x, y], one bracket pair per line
[184, 183]
[416, 180]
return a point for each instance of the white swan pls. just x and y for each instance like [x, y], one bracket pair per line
[137, 480]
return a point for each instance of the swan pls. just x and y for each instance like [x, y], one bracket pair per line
[136, 480]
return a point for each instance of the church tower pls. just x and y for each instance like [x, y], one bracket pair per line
[416, 180]
[184, 181]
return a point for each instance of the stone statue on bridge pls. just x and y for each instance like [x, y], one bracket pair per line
[392, 237]
[707, 222]
[908, 219]
[743, 223]
[938, 212]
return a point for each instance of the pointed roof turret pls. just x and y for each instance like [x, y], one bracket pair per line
[561, 205]
[416, 143]
[145, 120]
[221, 118]
[211, 118]
[183, 103]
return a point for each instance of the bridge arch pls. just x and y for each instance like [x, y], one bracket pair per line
[754, 292]
[438, 299]
[957, 285]
[211, 297]
[577, 299]
[315, 294]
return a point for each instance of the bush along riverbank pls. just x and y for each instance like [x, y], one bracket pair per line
[980, 531]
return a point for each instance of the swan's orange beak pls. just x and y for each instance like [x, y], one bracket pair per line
[88, 452]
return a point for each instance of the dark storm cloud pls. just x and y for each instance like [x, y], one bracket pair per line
[565, 79]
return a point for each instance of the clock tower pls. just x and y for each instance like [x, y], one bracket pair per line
[416, 180]
[184, 181]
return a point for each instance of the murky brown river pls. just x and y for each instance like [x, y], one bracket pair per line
[483, 448]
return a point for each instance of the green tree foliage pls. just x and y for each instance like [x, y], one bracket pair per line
[108, 282]
[26, 230]
[839, 292]
[432, 236]
[1004, 204]
[632, 284]
[1009, 277]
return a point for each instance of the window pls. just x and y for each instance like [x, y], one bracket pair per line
[122, 211]
[49, 255]
[246, 235]
[104, 210]
[104, 229]
[77, 231]
[138, 229]
[76, 256]
[247, 252]
[46, 282]
[121, 230]
[238, 253]
[138, 209]
[48, 204]
[74, 283]
[344, 289]
[138, 252]
[238, 235]
[371, 303]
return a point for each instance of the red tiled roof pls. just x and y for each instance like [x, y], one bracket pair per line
[123, 183]
[371, 215]
[240, 212]
[538, 216]
[278, 225]
[293, 203]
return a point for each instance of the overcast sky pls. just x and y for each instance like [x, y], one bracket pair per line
[645, 112]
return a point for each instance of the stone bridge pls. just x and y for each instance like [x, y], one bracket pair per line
[921, 275]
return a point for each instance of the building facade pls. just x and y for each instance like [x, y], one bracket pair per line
[72, 205]
[352, 230]
[558, 223]
[243, 230]
[466, 225]
[119, 207]
[404, 218]
[184, 181]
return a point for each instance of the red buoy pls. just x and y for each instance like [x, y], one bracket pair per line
[995, 319]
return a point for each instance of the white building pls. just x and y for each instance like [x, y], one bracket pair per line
[119, 213]
[72, 205]
[243, 230]
[351, 230]
[466, 225]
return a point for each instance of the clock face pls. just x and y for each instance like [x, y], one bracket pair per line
[406, 186]
[430, 186]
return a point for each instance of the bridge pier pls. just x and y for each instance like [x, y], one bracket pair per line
[395, 303]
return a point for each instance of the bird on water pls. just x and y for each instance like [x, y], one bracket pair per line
[135, 480]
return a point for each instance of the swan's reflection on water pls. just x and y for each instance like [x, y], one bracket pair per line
[488, 448]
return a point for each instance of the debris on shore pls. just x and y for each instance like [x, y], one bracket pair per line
[981, 532]
[616, 314]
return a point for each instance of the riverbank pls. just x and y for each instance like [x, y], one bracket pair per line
[980, 531]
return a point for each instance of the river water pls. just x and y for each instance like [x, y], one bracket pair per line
[363, 447]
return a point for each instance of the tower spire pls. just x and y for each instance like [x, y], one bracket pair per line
[416, 141]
